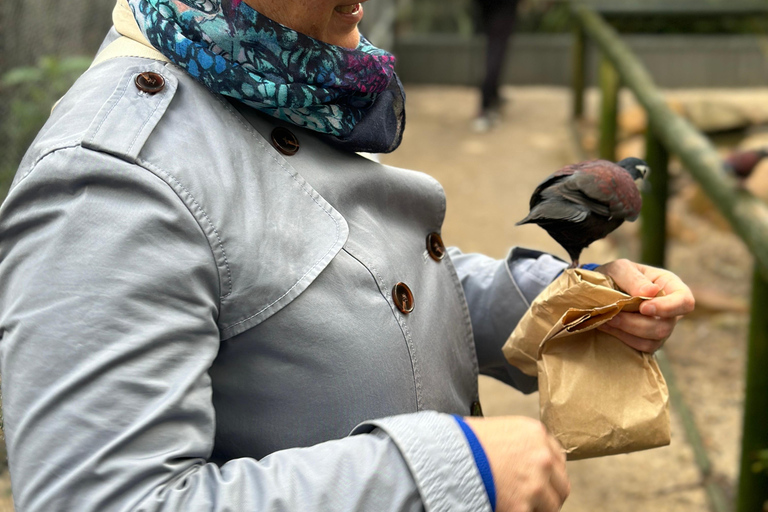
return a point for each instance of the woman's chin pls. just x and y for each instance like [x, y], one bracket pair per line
[350, 39]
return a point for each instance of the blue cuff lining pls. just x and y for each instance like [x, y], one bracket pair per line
[481, 460]
[586, 266]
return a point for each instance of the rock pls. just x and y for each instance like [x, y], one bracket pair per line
[721, 110]
[755, 140]
[633, 120]
[757, 183]
[709, 116]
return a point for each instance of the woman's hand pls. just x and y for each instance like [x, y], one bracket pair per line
[648, 330]
[528, 464]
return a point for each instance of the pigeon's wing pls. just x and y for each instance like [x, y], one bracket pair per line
[607, 190]
[578, 190]
[551, 181]
[556, 209]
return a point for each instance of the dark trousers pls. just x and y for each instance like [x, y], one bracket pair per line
[497, 18]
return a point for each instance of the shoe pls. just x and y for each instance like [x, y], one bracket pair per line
[486, 120]
[481, 124]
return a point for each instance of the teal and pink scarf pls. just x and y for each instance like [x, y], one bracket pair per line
[351, 96]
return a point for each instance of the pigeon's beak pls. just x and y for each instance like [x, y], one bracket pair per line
[644, 170]
[642, 181]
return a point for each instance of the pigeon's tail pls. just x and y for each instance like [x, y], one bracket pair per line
[527, 220]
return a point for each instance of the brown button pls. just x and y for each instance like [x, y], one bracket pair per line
[435, 246]
[475, 409]
[149, 82]
[403, 298]
[285, 141]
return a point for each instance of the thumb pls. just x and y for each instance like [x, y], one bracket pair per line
[629, 277]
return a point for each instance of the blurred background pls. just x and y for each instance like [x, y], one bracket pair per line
[45, 45]
[710, 60]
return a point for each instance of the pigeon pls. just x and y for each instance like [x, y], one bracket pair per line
[741, 163]
[584, 202]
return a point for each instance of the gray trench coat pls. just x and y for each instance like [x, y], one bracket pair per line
[192, 320]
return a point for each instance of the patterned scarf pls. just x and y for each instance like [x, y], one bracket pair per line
[351, 96]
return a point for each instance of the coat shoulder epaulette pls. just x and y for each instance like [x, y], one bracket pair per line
[137, 103]
[113, 108]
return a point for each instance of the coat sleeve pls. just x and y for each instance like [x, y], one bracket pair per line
[498, 294]
[108, 305]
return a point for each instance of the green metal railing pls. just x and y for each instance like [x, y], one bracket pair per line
[668, 133]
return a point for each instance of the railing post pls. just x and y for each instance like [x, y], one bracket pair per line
[579, 69]
[609, 91]
[753, 479]
[653, 227]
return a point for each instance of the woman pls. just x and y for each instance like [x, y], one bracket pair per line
[204, 289]
[497, 19]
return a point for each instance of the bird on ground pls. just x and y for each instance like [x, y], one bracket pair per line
[584, 202]
[741, 163]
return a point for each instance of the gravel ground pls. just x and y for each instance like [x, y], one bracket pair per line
[488, 179]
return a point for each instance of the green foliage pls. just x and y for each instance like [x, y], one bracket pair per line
[436, 17]
[554, 16]
[761, 464]
[692, 24]
[28, 94]
[545, 16]
[461, 16]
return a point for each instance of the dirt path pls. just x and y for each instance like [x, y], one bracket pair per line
[488, 179]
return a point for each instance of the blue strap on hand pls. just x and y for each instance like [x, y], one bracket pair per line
[586, 266]
[481, 460]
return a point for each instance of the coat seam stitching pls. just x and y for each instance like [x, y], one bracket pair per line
[146, 121]
[303, 186]
[45, 154]
[155, 170]
[291, 288]
[141, 165]
[514, 282]
[470, 335]
[109, 112]
[401, 323]
[270, 152]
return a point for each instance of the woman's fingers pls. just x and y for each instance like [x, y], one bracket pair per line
[676, 301]
[651, 328]
[637, 342]
[630, 277]
[560, 484]
[672, 297]
[548, 501]
[559, 478]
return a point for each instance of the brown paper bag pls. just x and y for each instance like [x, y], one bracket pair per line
[597, 395]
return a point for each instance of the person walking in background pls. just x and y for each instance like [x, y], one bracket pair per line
[497, 21]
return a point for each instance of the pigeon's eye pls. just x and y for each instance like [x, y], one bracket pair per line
[644, 169]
